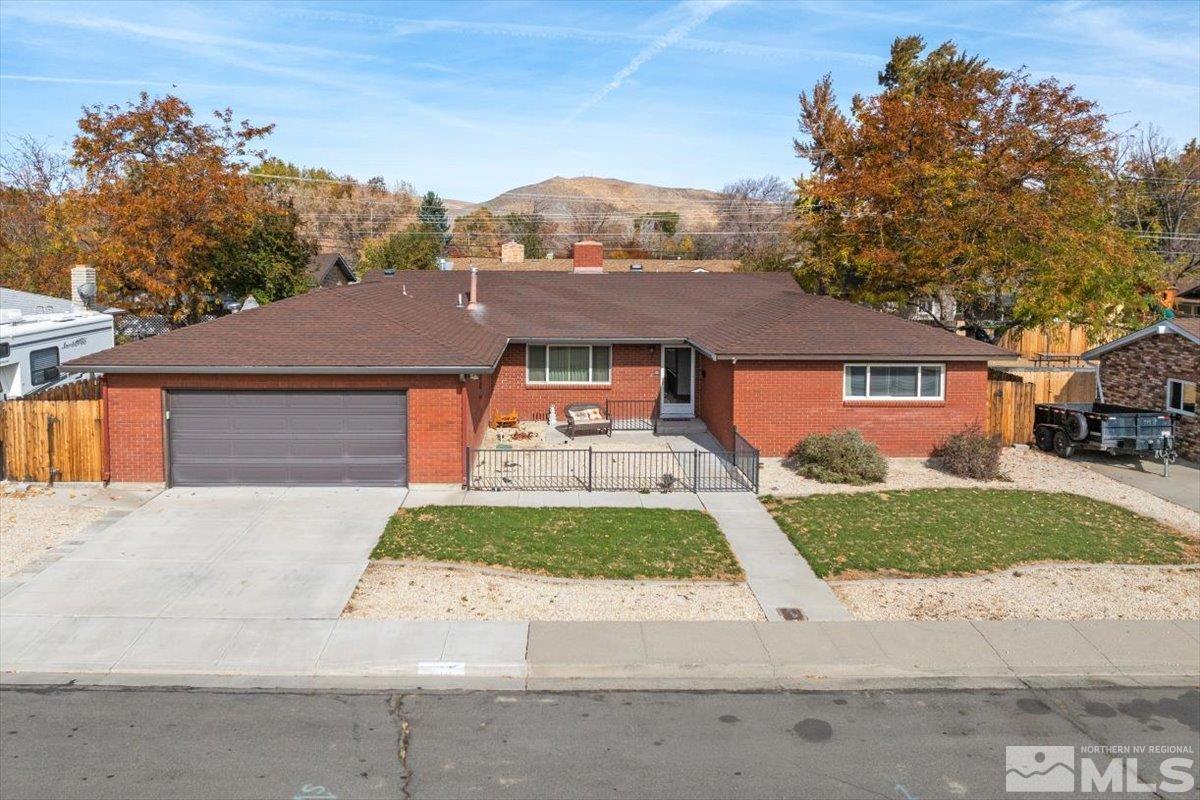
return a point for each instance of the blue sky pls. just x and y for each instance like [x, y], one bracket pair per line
[470, 99]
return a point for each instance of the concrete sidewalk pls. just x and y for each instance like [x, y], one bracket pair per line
[397, 654]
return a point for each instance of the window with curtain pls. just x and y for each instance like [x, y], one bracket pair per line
[554, 363]
[894, 381]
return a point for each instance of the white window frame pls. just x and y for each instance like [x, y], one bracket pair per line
[1168, 405]
[868, 397]
[591, 364]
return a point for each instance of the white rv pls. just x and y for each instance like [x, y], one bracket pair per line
[38, 333]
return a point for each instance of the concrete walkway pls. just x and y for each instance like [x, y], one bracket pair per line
[396, 654]
[778, 575]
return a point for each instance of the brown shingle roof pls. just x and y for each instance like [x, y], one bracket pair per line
[410, 321]
[610, 264]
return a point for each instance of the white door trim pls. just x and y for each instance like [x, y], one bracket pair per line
[675, 410]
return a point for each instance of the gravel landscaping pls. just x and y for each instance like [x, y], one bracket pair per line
[1026, 469]
[405, 590]
[1044, 591]
[35, 521]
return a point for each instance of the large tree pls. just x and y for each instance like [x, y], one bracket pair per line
[163, 193]
[37, 243]
[339, 212]
[431, 216]
[268, 261]
[531, 227]
[753, 216]
[1161, 200]
[979, 187]
[415, 248]
[478, 234]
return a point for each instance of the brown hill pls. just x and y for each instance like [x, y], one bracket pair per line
[564, 200]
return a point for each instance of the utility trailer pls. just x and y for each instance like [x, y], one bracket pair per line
[1106, 428]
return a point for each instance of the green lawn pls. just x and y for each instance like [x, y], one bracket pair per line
[961, 531]
[623, 543]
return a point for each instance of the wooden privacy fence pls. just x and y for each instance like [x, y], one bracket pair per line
[1054, 385]
[49, 440]
[1062, 339]
[1010, 410]
[1013, 392]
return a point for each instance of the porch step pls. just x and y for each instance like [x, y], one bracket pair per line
[680, 427]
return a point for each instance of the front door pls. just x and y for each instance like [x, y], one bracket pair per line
[678, 382]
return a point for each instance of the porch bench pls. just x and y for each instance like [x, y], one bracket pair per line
[587, 418]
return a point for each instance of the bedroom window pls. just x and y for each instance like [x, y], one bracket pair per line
[561, 363]
[1181, 397]
[894, 382]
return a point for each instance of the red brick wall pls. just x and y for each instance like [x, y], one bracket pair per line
[1136, 375]
[714, 398]
[435, 418]
[635, 371]
[777, 403]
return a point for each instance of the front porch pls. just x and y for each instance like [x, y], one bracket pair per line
[682, 456]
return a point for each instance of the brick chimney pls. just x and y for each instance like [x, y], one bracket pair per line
[83, 286]
[589, 257]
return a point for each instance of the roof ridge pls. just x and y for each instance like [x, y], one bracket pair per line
[425, 332]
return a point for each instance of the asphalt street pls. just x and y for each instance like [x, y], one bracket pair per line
[96, 743]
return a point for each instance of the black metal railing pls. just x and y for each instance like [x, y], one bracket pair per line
[632, 415]
[595, 470]
[746, 458]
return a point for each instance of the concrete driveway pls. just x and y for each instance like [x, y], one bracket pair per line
[219, 553]
[1181, 487]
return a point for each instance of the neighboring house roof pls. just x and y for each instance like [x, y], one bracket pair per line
[1187, 327]
[320, 265]
[409, 322]
[1188, 289]
[33, 303]
[610, 264]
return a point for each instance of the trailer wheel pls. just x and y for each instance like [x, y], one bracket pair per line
[1044, 439]
[1077, 426]
[1062, 444]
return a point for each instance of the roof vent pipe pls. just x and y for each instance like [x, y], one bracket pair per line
[460, 303]
[473, 299]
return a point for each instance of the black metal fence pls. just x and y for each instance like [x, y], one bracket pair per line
[595, 470]
[632, 415]
[745, 458]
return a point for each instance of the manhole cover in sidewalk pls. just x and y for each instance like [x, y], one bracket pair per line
[791, 614]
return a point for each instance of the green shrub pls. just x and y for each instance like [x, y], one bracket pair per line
[842, 457]
[972, 454]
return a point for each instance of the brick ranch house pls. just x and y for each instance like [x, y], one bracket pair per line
[388, 381]
[1157, 367]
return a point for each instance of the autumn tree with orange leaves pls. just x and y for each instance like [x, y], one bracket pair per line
[979, 187]
[162, 195]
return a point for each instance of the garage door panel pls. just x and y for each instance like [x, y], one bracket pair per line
[288, 438]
